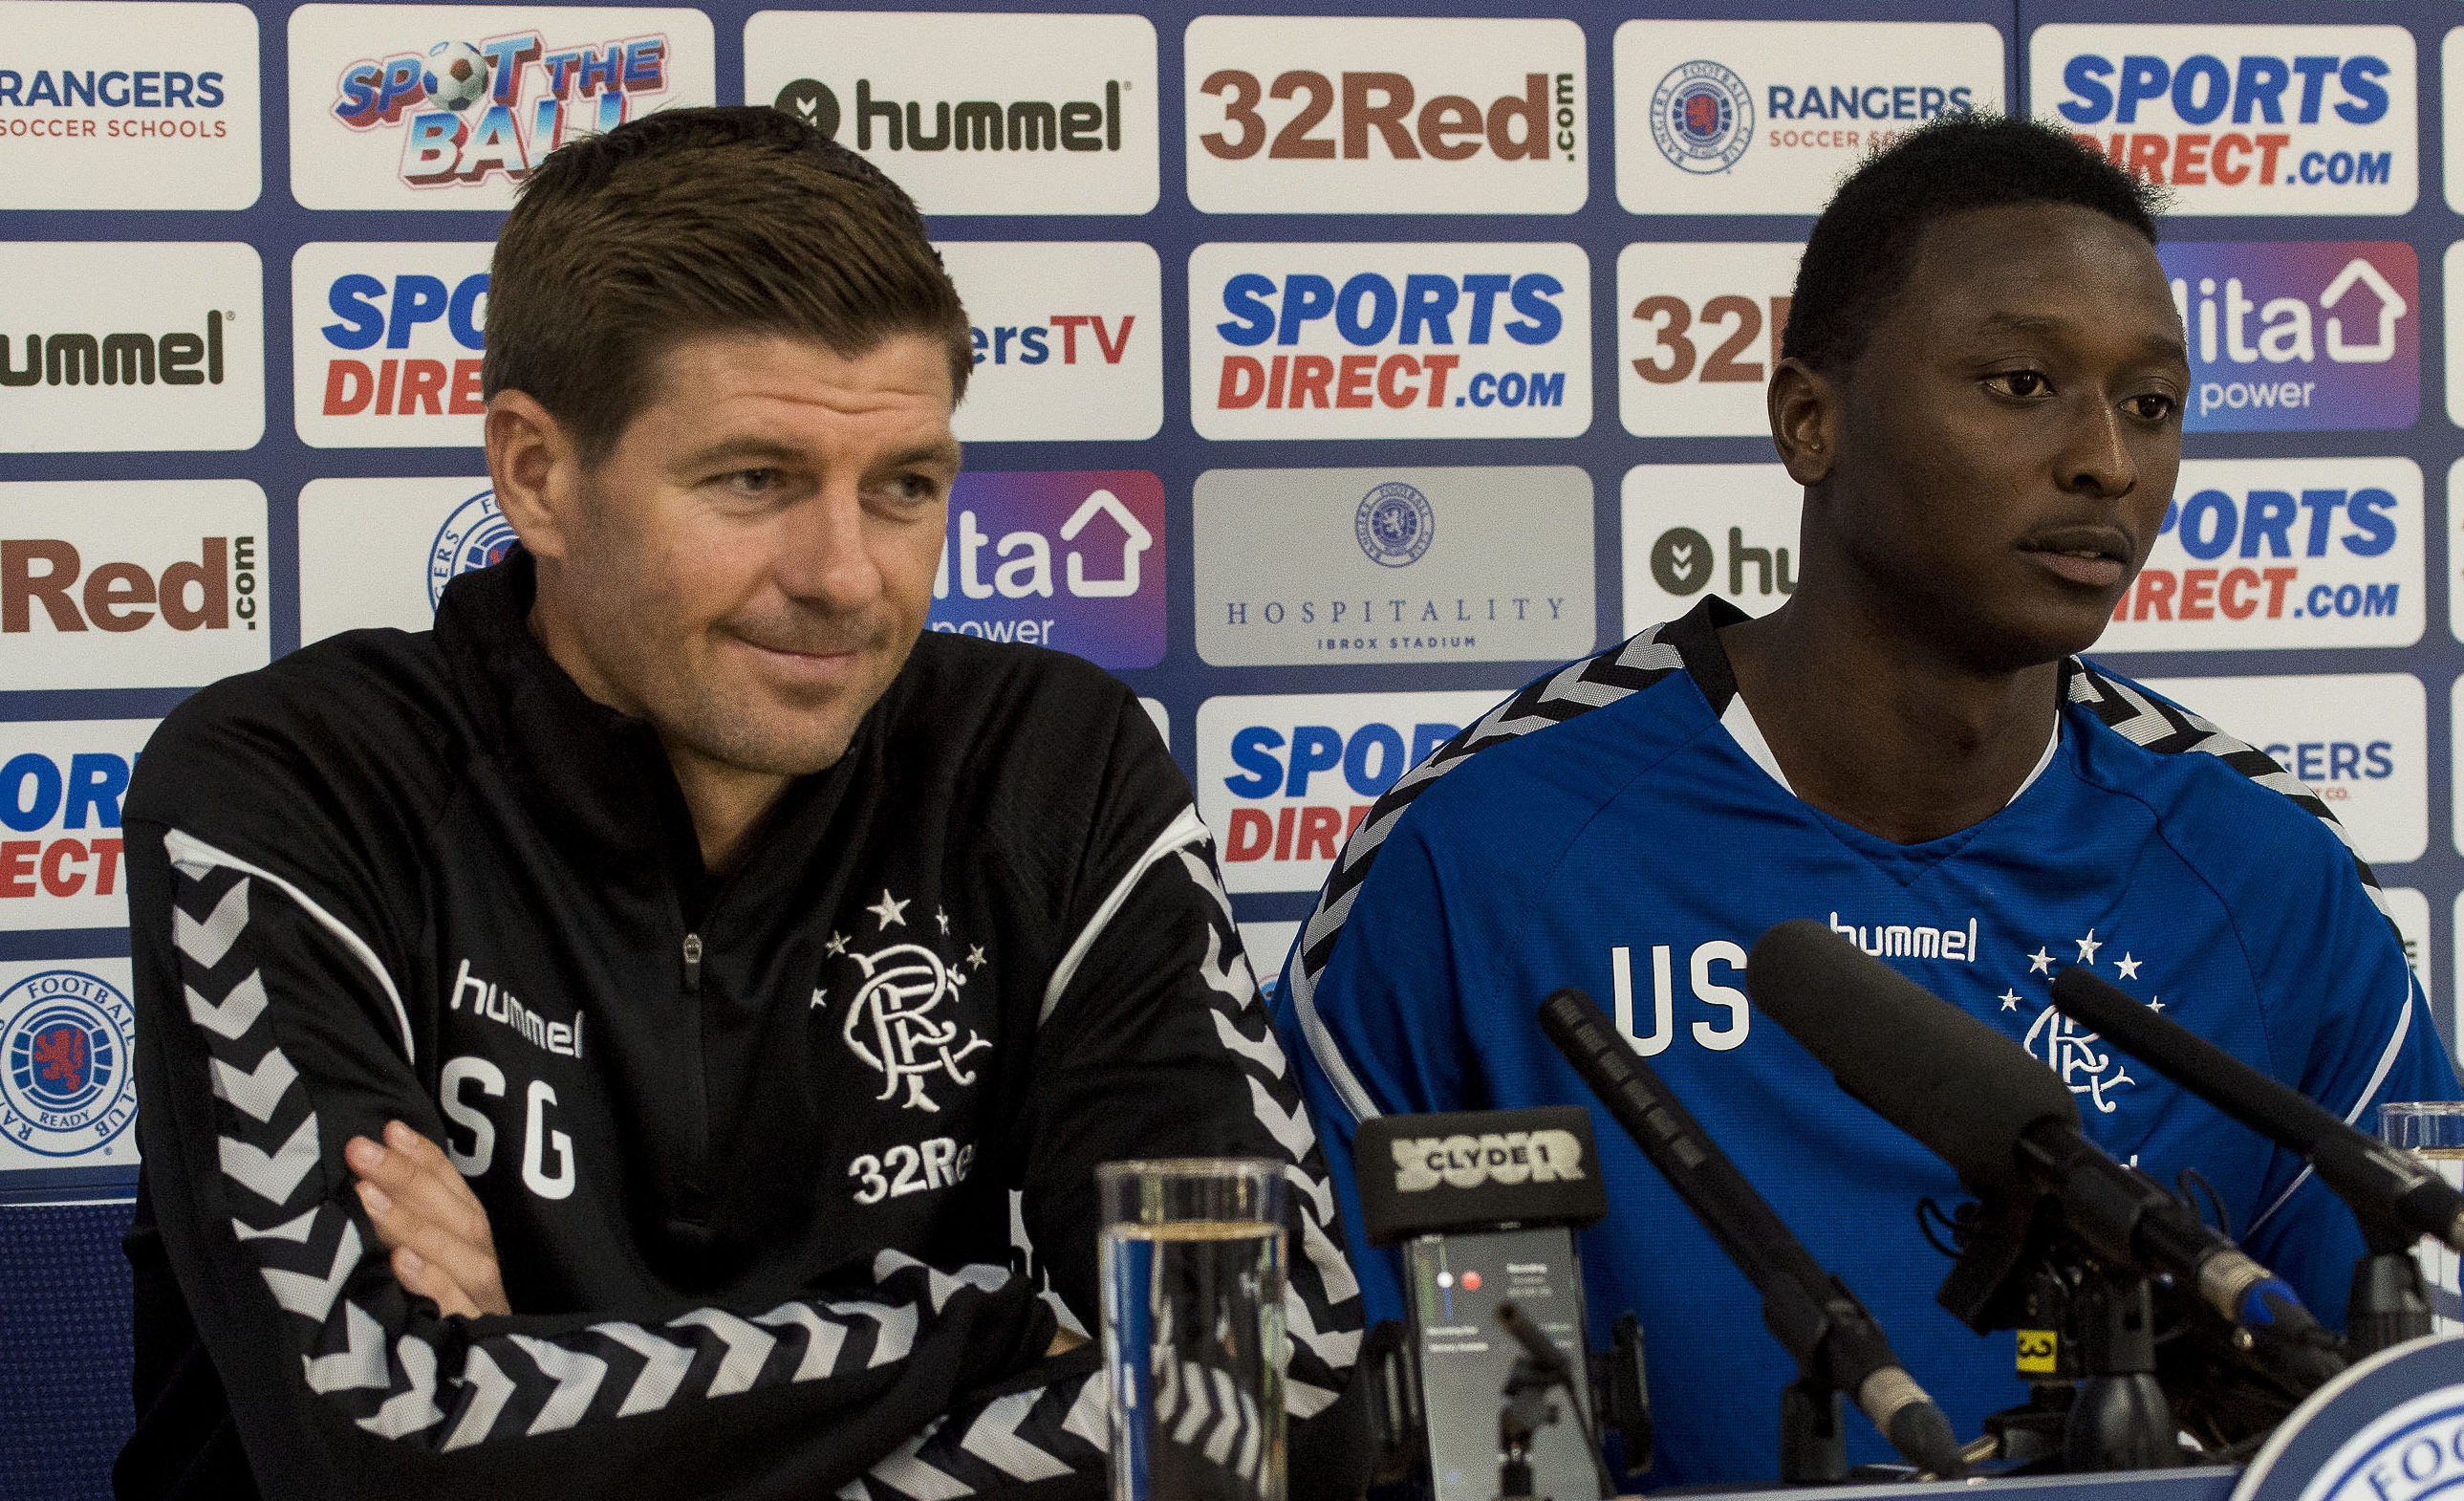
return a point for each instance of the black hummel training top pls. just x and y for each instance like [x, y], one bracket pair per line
[756, 1149]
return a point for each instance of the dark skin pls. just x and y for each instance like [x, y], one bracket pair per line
[1982, 483]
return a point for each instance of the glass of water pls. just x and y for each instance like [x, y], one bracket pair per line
[1193, 1270]
[2433, 1131]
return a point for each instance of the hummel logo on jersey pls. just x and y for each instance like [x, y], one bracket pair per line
[1901, 940]
[498, 1004]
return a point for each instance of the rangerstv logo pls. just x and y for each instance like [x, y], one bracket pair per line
[2241, 120]
[451, 106]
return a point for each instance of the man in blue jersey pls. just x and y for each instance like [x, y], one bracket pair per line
[1982, 395]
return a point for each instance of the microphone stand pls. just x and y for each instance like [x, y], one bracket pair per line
[2388, 1302]
[2120, 1418]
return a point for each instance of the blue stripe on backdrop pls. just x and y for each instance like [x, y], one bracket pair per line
[63, 1286]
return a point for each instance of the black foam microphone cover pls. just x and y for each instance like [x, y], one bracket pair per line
[1963, 1090]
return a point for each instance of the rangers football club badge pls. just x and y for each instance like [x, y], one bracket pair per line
[1703, 117]
[66, 1085]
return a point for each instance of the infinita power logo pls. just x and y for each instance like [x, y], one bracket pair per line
[2300, 336]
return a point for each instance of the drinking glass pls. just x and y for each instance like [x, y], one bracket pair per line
[2433, 1131]
[1193, 1287]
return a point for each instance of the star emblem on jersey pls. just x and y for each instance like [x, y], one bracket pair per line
[890, 910]
[943, 917]
[2058, 1043]
[2009, 999]
[2087, 947]
[975, 957]
[891, 1026]
[2040, 963]
[821, 997]
[2154, 1004]
[836, 946]
[2129, 966]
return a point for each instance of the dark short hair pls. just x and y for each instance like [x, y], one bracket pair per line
[689, 222]
[1865, 242]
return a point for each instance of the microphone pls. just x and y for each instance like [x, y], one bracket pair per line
[1816, 1318]
[2009, 1126]
[2392, 1192]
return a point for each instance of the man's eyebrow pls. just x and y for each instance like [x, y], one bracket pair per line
[761, 451]
[943, 451]
[2164, 342]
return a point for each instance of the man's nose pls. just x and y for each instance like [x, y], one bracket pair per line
[822, 558]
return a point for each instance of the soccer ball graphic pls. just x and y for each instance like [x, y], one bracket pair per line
[457, 74]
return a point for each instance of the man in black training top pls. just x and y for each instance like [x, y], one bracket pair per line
[601, 1047]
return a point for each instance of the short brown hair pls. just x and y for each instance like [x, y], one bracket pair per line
[687, 222]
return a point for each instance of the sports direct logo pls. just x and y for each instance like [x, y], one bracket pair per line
[61, 783]
[128, 104]
[999, 114]
[1390, 341]
[1765, 117]
[385, 342]
[1699, 336]
[131, 583]
[2241, 120]
[453, 106]
[110, 347]
[1285, 779]
[1730, 529]
[2358, 741]
[1298, 114]
[1068, 561]
[1069, 340]
[2282, 552]
[2302, 336]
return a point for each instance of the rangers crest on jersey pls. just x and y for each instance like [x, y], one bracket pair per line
[901, 1020]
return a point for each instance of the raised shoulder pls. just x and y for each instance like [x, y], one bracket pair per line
[371, 711]
[2198, 775]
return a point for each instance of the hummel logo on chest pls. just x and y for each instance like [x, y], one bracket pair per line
[1899, 941]
[498, 1004]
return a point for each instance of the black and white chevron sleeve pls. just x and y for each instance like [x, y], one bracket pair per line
[270, 1033]
[1154, 1042]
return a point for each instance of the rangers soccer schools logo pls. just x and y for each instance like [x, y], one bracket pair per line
[1701, 117]
[66, 1087]
[475, 536]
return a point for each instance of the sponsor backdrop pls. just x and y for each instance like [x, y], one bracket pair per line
[1341, 364]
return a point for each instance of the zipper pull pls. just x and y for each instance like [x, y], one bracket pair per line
[692, 962]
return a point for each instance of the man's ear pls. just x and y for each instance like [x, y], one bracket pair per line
[1804, 406]
[537, 470]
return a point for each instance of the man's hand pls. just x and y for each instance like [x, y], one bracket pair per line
[430, 1220]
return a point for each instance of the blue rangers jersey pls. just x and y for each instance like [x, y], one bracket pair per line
[1621, 826]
